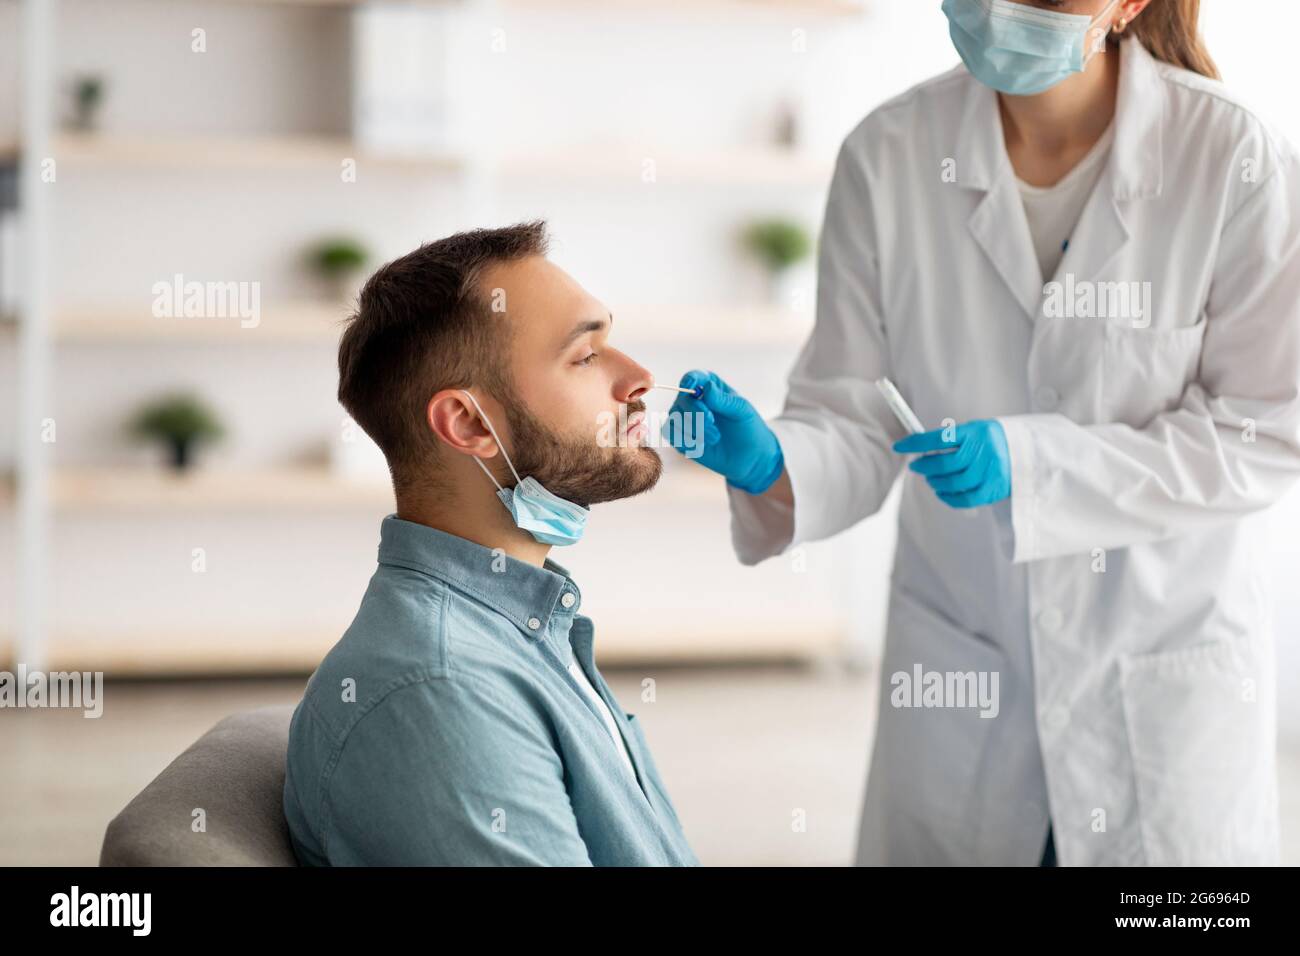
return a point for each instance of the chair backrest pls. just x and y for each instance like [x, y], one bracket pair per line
[235, 774]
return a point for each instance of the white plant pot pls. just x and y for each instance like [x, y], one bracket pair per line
[793, 289]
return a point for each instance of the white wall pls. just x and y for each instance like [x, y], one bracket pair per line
[1254, 46]
[671, 80]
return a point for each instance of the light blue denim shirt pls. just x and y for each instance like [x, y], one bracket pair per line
[445, 729]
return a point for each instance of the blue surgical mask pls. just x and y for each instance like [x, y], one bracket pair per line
[1019, 49]
[549, 518]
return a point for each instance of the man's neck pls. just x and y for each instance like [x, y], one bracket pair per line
[486, 523]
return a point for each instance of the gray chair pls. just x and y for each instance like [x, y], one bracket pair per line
[235, 773]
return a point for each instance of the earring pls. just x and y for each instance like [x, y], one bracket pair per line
[1123, 22]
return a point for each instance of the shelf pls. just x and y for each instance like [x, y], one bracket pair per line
[730, 166]
[108, 490]
[725, 166]
[290, 322]
[236, 152]
[621, 639]
[321, 323]
[613, 163]
[203, 489]
[835, 8]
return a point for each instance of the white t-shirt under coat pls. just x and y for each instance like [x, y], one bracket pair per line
[1053, 211]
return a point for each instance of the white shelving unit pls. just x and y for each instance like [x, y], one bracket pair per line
[238, 152]
[32, 466]
[319, 323]
[290, 488]
[43, 495]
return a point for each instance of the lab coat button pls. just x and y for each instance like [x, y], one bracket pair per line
[1046, 398]
[534, 623]
[1050, 620]
[567, 599]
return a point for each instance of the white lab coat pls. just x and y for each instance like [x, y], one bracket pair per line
[1120, 592]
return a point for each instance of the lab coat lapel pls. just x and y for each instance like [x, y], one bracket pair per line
[1133, 172]
[1102, 223]
[999, 226]
[998, 223]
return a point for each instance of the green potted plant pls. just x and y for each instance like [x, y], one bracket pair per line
[180, 421]
[780, 245]
[87, 97]
[338, 262]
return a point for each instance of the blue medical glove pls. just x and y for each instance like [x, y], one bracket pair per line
[737, 442]
[972, 470]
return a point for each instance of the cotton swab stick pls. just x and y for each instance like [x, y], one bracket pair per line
[695, 392]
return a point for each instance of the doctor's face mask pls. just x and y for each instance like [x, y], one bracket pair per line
[1023, 50]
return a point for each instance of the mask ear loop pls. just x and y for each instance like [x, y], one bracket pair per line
[488, 422]
[1100, 43]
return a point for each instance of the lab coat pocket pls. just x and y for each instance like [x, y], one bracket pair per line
[1201, 745]
[1146, 370]
[938, 708]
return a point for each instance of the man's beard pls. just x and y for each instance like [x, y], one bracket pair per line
[577, 467]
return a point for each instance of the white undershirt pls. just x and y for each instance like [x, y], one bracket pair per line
[576, 670]
[1053, 211]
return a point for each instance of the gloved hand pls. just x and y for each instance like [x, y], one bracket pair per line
[972, 470]
[737, 442]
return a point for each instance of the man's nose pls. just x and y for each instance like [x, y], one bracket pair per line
[633, 382]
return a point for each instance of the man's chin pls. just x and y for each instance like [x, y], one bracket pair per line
[653, 468]
[631, 471]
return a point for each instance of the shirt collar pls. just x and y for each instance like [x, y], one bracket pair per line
[526, 594]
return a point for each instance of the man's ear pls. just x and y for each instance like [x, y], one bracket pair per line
[454, 419]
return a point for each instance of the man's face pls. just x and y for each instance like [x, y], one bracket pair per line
[568, 383]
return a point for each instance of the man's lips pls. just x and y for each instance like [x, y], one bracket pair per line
[637, 429]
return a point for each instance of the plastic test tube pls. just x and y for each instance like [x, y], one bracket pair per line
[902, 411]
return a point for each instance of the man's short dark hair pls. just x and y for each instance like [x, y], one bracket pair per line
[423, 324]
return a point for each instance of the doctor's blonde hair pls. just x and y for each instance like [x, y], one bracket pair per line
[1169, 30]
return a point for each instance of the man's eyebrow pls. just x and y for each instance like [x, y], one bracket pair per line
[585, 326]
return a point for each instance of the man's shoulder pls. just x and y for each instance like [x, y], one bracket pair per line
[413, 631]
[422, 732]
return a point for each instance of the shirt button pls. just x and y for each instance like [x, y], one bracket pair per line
[1046, 398]
[534, 624]
[1050, 620]
[567, 599]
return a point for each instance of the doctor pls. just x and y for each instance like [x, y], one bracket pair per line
[1080, 254]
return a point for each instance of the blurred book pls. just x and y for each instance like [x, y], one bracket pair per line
[401, 76]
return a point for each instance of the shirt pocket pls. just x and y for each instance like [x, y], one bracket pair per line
[1146, 370]
[1200, 742]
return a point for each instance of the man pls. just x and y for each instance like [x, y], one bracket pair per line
[461, 719]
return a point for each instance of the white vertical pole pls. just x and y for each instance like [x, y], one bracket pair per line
[473, 85]
[34, 404]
